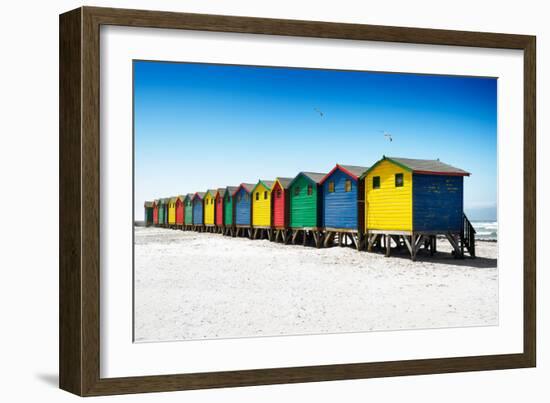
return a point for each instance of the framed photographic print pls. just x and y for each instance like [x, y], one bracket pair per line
[249, 201]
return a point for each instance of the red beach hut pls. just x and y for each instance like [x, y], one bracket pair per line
[156, 212]
[179, 211]
[280, 202]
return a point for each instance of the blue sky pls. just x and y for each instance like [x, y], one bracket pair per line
[200, 126]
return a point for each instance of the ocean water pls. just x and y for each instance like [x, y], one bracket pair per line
[486, 229]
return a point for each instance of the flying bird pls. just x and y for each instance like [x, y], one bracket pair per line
[319, 112]
[387, 135]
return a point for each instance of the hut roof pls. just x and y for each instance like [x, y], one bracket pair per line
[267, 184]
[315, 177]
[285, 182]
[173, 199]
[200, 195]
[354, 171]
[231, 189]
[148, 204]
[221, 192]
[426, 167]
[212, 192]
[189, 196]
[246, 186]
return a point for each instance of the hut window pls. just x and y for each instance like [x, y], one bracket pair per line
[309, 190]
[239, 197]
[296, 190]
[348, 185]
[398, 180]
[278, 193]
[376, 182]
[265, 195]
[257, 195]
[331, 187]
[246, 197]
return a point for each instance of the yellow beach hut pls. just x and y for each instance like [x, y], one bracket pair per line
[209, 206]
[261, 209]
[172, 212]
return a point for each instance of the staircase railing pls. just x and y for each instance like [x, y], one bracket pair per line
[469, 236]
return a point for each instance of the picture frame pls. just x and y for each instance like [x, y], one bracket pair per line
[79, 279]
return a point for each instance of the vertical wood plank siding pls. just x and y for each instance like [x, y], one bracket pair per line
[303, 207]
[148, 215]
[278, 195]
[228, 209]
[161, 212]
[198, 211]
[179, 211]
[437, 202]
[261, 206]
[155, 213]
[188, 210]
[218, 202]
[389, 207]
[172, 211]
[340, 207]
[242, 207]
[209, 209]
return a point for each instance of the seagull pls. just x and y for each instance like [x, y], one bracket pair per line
[318, 111]
[387, 135]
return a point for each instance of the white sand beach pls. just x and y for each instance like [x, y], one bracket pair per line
[192, 285]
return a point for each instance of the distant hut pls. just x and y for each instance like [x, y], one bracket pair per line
[229, 210]
[341, 205]
[180, 213]
[188, 211]
[243, 207]
[305, 208]
[218, 209]
[280, 208]
[261, 209]
[155, 212]
[209, 210]
[411, 201]
[148, 216]
[162, 212]
[198, 211]
[172, 212]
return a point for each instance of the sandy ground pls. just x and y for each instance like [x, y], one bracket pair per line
[196, 286]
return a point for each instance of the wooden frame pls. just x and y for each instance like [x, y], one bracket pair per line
[80, 184]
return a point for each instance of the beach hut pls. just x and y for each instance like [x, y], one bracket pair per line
[198, 211]
[188, 211]
[243, 207]
[218, 208]
[209, 210]
[261, 209]
[229, 211]
[180, 214]
[148, 213]
[280, 208]
[411, 201]
[155, 212]
[162, 212]
[342, 201]
[172, 212]
[305, 208]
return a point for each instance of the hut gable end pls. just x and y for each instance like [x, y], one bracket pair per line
[388, 207]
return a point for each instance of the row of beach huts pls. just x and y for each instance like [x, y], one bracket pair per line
[396, 203]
